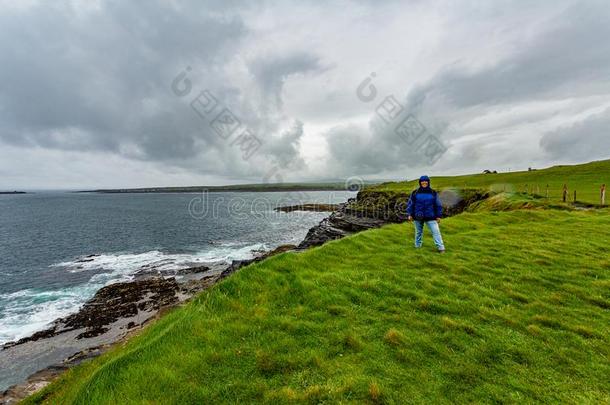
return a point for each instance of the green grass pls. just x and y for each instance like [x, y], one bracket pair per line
[518, 310]
[586, 179]
[508, 201]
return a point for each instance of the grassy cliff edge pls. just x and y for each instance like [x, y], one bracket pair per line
[517, 310]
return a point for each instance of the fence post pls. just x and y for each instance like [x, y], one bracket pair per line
[547, 191]
[574, 195]
[526, 188]
[565, 192]
[538, 189]
[603, 194]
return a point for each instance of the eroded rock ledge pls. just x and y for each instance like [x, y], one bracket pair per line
[339, 224]
[372, 209]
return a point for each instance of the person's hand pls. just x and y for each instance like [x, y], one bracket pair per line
[438, 220]
[409, 218]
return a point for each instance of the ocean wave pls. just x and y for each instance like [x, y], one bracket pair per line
[128, 263]
[25, 312]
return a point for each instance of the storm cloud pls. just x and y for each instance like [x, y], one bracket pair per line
[586, 139]
[492, 114]
[503, 85]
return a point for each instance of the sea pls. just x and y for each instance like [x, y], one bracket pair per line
[58, 248]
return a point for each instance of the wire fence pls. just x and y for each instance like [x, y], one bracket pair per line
[575, 195]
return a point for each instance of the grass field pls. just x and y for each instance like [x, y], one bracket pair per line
[586, 179]
[518, 310]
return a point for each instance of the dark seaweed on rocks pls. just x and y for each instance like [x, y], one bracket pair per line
[122, 300]
[111, 303]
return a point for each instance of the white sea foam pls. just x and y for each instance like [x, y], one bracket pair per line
[27, 311]
[129, 263]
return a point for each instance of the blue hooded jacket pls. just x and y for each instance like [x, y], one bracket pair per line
[424, 203]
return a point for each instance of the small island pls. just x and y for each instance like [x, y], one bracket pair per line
[13, 192]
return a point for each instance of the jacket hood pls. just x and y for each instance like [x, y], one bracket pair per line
[425, 178]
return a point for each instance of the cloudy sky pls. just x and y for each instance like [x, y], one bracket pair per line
[160, 93]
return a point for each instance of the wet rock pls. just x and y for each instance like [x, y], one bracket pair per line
[194, 286]
[149, 271]
[192, 270]
[277, 251]
[234, 266]
[309, 207]
[337, 225]
[321, 233]
[110, 303]
[122, 300]
[88, 258]
[237, 264]
[89, 333]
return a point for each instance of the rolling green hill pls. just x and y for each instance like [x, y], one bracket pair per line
[586, 179]
[518, 310]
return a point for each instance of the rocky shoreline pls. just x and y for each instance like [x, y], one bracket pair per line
[119, 310]
[309, 207]
[115, 313]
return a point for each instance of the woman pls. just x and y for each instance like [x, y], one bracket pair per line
[425, 207]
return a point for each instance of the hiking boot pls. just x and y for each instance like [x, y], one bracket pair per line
[441, 251]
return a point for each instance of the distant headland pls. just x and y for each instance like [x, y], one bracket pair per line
[261, 187]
